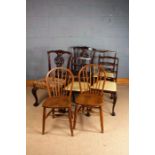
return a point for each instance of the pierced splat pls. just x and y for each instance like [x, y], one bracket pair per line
[59, 60]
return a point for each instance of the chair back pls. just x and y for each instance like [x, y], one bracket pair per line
[111, 65]
[59, 58]
[82, 55]
[91, 79]
[59, 82]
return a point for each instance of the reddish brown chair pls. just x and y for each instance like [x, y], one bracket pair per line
[57, 80]
[93, 97]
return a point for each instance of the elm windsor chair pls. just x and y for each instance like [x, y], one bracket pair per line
[82, 55]
[57, 79]
[94, 96]
[56, 58]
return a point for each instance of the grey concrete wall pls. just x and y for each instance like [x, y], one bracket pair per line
[59, 24]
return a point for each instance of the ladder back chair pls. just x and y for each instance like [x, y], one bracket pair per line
[57, 79]
[110, 62]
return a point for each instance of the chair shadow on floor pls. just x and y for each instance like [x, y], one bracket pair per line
[57, 126]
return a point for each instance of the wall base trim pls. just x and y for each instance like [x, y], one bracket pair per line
[123, 81]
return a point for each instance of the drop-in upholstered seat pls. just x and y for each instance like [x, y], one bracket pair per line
[76, 86]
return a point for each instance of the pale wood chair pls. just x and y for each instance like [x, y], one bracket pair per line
[59, 83]
[91, 95]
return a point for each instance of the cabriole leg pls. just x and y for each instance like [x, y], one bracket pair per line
[34, 92]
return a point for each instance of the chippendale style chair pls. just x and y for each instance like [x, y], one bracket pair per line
[82, 55]
[94, 96]
[56, 58]
[57, 81]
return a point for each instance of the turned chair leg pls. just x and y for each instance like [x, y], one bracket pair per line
[75, 115]
[34, 92]
[101, 119]
[44, 117]
[114, 103]
[70, 120]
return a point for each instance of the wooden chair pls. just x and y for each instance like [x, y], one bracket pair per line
[56, 58]
[111, 66]
[110, 63]
[93, 97]
[57, 79]
[82, 55]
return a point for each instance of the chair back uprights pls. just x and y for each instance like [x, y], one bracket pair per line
[91, 79]
[59, 82]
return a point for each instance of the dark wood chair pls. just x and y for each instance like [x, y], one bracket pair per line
[110, 62]
[56, 58]
[91, 95]
[82, 55]
[57, 79]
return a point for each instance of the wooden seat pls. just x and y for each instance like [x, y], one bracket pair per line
[57, 79]
[58, 102]
[88, 99]
[56, 58]
[93, 98]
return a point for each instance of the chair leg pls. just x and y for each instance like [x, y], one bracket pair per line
[114, 103]
[73, 96]
[88, 112]
[34, 92]
[75, 115]
[111, 96]
[70, 120]
[101, 119]
[44, 117]
[53, 111]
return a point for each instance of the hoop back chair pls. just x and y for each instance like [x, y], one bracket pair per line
[56, 58]
[57, 79]
[93, 97]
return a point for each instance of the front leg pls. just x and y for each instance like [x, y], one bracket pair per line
[114, 103]
[34, 92]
